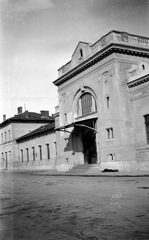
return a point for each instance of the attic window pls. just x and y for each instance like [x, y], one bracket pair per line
[143, 67]
[81, 53]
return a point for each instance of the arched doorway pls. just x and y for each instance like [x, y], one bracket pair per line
[86, 111]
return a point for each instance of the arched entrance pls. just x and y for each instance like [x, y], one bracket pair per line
[86, 109]
[85, 117]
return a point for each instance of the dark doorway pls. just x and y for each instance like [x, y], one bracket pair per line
[89, 142]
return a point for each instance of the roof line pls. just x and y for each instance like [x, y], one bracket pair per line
[113, 47]
[34, 132]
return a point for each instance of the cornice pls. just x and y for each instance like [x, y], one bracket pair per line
[138, 82]
[108, 50]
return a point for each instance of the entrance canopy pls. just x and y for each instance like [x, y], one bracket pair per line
[76, 124]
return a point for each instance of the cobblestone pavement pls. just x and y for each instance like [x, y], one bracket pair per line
[73, 208]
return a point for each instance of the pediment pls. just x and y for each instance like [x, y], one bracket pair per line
[81, 51]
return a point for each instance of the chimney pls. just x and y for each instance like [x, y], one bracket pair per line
[19, 110]
[4, 117]
[44, 114]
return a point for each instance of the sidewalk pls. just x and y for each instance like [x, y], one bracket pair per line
[96, 174]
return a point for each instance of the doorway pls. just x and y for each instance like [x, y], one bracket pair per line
[89, 142]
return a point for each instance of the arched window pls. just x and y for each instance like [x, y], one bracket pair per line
[86, 104]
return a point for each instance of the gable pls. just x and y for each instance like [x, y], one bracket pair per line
[81, 52]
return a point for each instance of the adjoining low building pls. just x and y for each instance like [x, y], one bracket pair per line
[13, 128]
[37, 149]
[102, 118]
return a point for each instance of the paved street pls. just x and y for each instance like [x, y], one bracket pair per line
[73, 208]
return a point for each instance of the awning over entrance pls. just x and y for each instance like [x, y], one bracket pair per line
[75, 124]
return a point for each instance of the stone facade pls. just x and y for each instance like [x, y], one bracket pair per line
[139, 96]
[96, 112]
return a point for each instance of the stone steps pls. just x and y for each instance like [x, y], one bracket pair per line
[84, 168]
[76, 170]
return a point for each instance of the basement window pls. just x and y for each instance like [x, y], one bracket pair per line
[111, 156]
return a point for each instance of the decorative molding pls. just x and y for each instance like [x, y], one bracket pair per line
[108, 50]
[137, 82]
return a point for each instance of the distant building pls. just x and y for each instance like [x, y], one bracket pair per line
[13, 128]
[104, 103]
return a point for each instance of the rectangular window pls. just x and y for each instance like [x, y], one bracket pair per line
[110, 134]
[55, 148]
[48, 151]
[66, 142]
[5, 137]
[40, 152]
[27, 154]
[33, 149]
[22, 155]
[9, 135]
[2, 137]
[81, 53]
[108, 101]
[10, 155]
[65, 118]
[6, 160]
[147, 127]
[2, 156]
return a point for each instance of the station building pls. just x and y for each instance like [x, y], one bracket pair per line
[104, 103]
[102, 117]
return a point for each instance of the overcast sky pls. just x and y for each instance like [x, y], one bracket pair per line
[38, 36]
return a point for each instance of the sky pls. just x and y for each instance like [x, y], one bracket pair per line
[37, 37]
